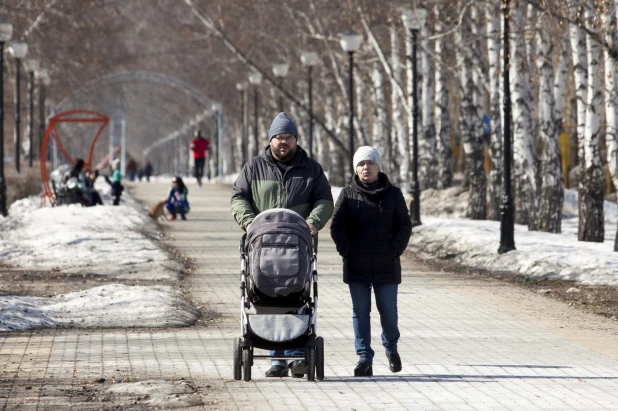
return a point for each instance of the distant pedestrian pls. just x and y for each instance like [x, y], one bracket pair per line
[371, 228]
[116, 182]
[148, 170]
[199, 148]
[177, 201]
[131, 169]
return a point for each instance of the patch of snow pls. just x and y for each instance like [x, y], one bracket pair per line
[113, 305]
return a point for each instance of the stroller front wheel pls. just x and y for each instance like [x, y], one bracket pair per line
[319, 358]
[310, 363]
[237, 359]
[247, 362]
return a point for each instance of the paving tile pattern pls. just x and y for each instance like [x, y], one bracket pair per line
[457, 353]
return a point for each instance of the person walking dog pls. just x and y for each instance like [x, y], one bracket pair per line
[371, 228]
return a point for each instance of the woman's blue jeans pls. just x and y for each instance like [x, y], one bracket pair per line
[386, 301]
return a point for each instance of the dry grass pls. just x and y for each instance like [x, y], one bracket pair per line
[23, 184]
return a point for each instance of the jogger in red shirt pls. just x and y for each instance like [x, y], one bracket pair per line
[199, 147]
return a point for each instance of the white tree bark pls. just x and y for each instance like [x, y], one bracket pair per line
[428, 163]
[409, 81]
[592, 181]
[580, 67]
[470, 130]
[443, 142]
[494, 186]
[398, 130]
[552, 191]
[361, 120]
[611, 100]
[524, 150]
[379, 130]
[336, 165]
[559, 83]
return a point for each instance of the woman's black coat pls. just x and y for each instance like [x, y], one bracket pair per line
[371, 229]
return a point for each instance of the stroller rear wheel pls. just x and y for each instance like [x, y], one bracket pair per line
[310, 363]
[237, 359]
[247, 362]
[319, 358]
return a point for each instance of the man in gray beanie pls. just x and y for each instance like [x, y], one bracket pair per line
[283, 176]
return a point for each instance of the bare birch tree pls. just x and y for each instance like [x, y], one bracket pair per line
[398, 129]
[443, 142]
[580, 67]
[524, 150]
[494, 186]
[552, 191]
[427, 146]
[592, 181]
[379, 131]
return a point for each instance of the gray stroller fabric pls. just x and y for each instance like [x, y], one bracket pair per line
[279, 327]
[279, 253]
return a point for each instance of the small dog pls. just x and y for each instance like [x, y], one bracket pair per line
[158, 210]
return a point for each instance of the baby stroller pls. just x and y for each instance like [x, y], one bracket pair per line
[279, 292]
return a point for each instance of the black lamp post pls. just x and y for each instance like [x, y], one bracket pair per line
[243, 133]
[31, 65]
[44, 80]
[350, 43]
[255, 78]
[280, 70]
[414, 20]
[309, 59]
[18, 49]
[507, 221]
[6, 30]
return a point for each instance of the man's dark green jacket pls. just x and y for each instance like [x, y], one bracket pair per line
[262, 185]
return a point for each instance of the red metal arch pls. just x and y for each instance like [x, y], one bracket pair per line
[72, 116]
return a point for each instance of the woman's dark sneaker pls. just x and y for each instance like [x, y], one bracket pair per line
[394, 362]
[277, 371]
[363, 369]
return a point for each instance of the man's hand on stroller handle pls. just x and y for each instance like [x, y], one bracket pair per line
[314, 230]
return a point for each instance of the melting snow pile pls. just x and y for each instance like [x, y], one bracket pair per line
[475, 243]
[112, 305]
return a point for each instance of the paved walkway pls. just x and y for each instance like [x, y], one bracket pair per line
[465, 344]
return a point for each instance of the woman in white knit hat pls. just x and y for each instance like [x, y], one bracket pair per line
[371, 228]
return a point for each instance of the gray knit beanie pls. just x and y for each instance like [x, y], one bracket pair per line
[282, 124]
[367, 153]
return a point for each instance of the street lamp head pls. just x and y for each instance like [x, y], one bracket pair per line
[350, 41]
[281, 69]
[241, 86]
[414, 19]
[309, 58]
[31, 65]
[18, 49]
[42, 75]
[255, 78]
[6, 30]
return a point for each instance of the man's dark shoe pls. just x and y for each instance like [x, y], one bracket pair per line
[277, 371]
[299, 368]
[394, 362]
[363, 369]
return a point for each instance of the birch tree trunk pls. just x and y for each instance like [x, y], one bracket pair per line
[361, 122]
[409, 81]
[559, 83]
[336, 170]
[524, 150]
[427, 147]
[380, 135]
[611, 101]
[552, 191]
[398, 131]
[580, 67]
[494, 188]
[443, 143]
[470, 132]
[592, 182]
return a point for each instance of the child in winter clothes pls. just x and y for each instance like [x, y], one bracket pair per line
[115, 182]
[177, 202]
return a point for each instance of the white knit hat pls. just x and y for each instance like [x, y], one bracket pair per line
[367, 153]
